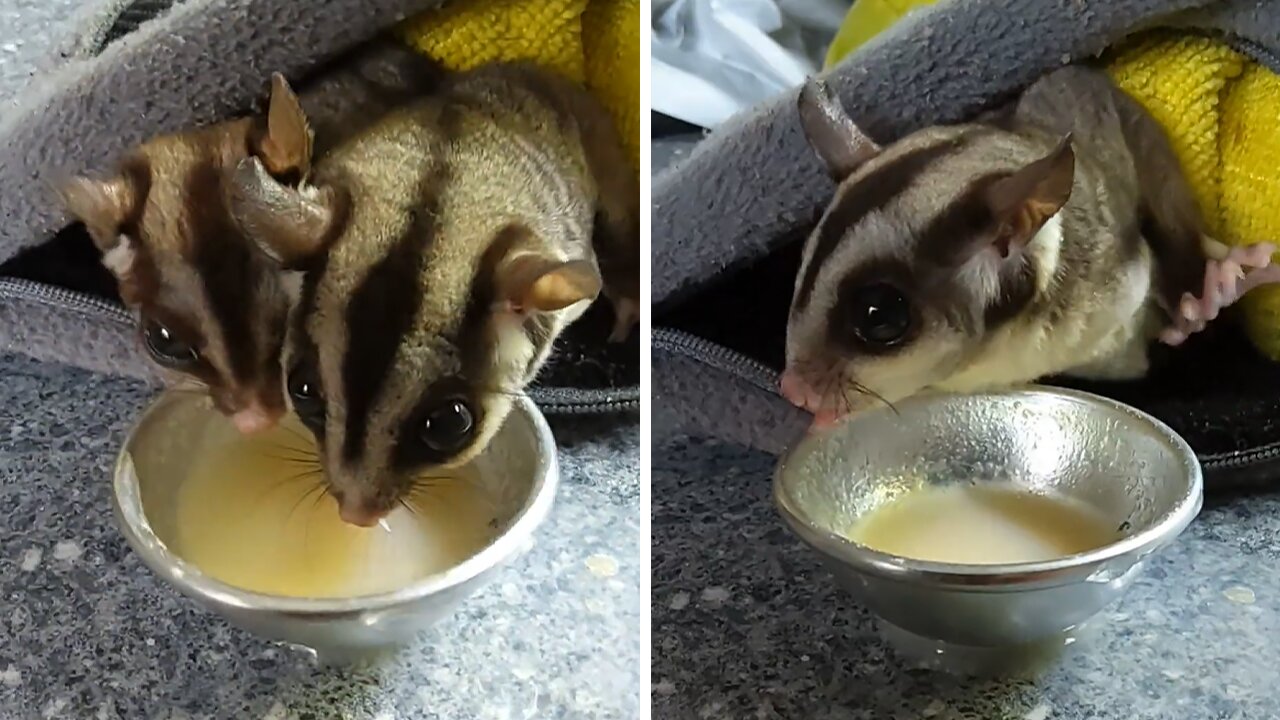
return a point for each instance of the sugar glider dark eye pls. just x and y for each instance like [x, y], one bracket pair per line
[878, 314]
[166, 348]
[304, 391]
[449, 427]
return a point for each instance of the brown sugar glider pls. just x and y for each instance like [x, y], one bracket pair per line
[210, 308]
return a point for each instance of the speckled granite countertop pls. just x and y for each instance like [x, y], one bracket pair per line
[87, 632]
[747, 626]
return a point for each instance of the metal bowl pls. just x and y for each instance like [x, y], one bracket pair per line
[520, 463]
[1128, 466]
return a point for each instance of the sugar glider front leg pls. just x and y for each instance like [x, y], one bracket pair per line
[1188, 260]
[1230, 272]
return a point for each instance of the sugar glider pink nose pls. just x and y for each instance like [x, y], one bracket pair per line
[824, 419]
[358, 514]
[253, 418]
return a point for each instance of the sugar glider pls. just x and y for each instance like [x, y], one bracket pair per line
[1056, 235]
[210, 309]
[435, 258]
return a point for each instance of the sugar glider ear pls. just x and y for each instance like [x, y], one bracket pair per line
[839, 142]
[102, 205]
[289, 224]
[1023, 202]
[531, 282]
[527, 279]
[285, 147]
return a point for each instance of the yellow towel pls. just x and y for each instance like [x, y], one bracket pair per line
[1219, 109]
[593, 42]
[865, 20]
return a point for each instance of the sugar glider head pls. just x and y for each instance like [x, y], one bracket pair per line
[410, 335]
[210, 309]
[924, 252]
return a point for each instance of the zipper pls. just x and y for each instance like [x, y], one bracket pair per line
[763, 378]
[586, 407]
[551, 400]
[63, 299]
[717, 356]
[1254, 50]
[1245, 458]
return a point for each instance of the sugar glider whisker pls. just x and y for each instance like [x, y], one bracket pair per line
[1057, 235]
[434, 260]
[210, 309]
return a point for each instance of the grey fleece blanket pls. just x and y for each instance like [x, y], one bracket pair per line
[753, 186]
[199, 62]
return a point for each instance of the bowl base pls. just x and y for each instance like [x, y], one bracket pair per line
[1003, 661]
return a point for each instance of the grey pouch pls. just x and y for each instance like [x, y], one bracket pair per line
[730, 218]
[145, 67]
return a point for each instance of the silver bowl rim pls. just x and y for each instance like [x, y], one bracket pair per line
[188, 578]
[1168, 526]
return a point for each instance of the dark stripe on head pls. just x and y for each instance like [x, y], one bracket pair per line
[470, 338]
[474, 343]
[863, 196]
[224, 261]
[966, 227]
[960, 230]
[381, 312]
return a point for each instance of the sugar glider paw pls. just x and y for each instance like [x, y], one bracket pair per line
[1226, 280]
[626, 314]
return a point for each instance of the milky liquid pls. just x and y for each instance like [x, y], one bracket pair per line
[252, 515]
[978, 525]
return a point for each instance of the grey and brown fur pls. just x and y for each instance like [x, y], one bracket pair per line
[184, 266]
[1055, 236]
[436, 257]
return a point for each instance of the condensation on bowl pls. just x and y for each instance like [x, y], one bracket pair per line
[178, 428]
[1042, 443]
[1133, 471]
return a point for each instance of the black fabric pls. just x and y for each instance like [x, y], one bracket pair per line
[69, 260]
[132, 16]
[664, 126]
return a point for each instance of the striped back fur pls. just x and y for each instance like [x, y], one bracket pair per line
[211, 310]
[451, 244]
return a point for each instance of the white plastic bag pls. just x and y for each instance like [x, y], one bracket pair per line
[712, 58]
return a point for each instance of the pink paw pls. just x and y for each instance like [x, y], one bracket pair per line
[1225, 282]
